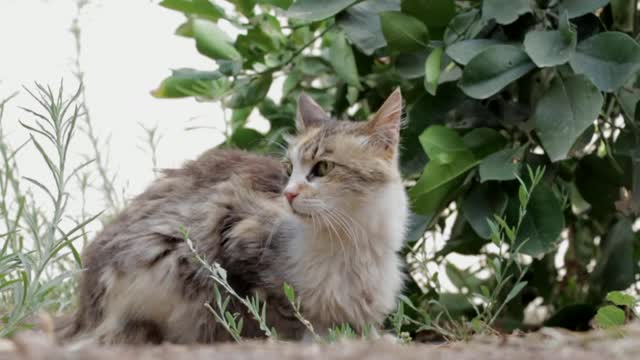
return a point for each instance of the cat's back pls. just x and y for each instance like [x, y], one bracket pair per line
[185, 195]
[262, 173]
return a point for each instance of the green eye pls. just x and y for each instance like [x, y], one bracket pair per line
[321, 168]
[288, 167]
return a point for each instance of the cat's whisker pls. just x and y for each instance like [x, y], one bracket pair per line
[351, 221]
[333, 221]
[353, 236]
[316, 227]
[328, 223]
[330, 228]
[340, 240]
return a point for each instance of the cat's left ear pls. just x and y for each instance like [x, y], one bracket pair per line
[384, 128]
[310, 114]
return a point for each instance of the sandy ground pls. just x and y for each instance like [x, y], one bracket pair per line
[545, 344]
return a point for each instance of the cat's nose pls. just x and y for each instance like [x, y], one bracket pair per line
[290, 195]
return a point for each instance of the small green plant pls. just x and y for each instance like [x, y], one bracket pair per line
[232, 322]
[399, 319]
[504, 234]
[612, 316]
[38, 254]
[342, 332]
[507, 271]
[296, 304]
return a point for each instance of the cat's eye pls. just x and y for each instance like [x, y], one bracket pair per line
[321, 168]
[288, 167]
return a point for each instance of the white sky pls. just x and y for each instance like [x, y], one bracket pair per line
[128, 48]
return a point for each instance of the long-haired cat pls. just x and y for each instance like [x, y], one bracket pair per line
[329, 221]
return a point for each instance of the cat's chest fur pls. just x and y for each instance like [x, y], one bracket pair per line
[351, 275]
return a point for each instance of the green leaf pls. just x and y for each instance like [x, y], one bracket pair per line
[621, 299]
[433, 13]
[442, 143]
[463, 51]
[314, 10]
[515, 291]
[615, 267]
[429, 203]
[609, 316]
[463, 278]
[568, 108]
[229, 67]
[412, 65]
[427, 110]
[282, 4]
[449, 160]
[262, 42]
[542, 224]
[417, 226]
[314, 66]
[292, 82]
[403, 33]
[361, 23]
[594, 172]
[551, 48]
[185, 29]
[482, 204]
[213, 42]
[239, 117]
[608, 59]
[189, 82]
[250, 92]
[577, 8]
[484, 141]
[493, 69]
[245, 7]
[466, 25]
[463, 240]
[204, 8]
[502, 166]
[505, 11]
[456, 304]
[623, 14]
[289, 293]
[432, 70]
[343, 61]
[635, 188]
[628, 97]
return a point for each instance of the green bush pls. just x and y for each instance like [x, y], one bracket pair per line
[492, 88]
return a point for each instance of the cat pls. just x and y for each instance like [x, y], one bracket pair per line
[329, 221]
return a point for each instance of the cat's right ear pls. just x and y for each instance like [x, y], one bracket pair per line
[309, 114]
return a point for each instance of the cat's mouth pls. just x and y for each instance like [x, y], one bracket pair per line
[299, 213]
[300, 210]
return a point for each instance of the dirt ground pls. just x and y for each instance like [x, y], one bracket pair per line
[545, 344]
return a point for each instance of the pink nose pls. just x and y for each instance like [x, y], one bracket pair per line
[290, 195]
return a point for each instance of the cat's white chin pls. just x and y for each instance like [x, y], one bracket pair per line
[302, 214]
[302, 209]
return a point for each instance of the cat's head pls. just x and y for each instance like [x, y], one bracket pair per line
[340, 165]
